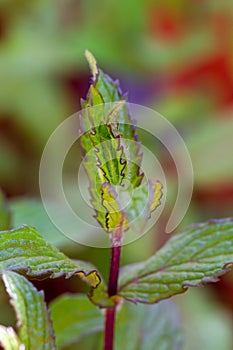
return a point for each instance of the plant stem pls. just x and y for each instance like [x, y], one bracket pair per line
[114, 270]
[109, 328]
[112, 287]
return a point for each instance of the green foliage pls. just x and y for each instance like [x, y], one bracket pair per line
[34, 324]
[154, 324]
[35, 61]
[82, 318]
[199, 255]
[103, 144]
[24, 250]
[190, 259]
[109, 142]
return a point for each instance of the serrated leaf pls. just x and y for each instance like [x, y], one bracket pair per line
[25, 251]
[34, 324]
[107, 129]
[110, 145]
[104, 154]
[197, 256]
[4, 214]
[9, 339]
[81, 318]
[110, 109]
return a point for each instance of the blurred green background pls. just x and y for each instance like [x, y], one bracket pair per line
[172, 56]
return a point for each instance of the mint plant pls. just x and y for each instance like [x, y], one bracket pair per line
[112, 158]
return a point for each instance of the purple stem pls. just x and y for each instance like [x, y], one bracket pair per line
[109, 328]
[112, 288]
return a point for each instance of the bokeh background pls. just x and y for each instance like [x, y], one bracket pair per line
[173, 56]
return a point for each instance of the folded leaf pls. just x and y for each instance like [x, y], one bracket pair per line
[9, 339]
[110, 148]
[81, 318]
[114, 113]
[35, 328]
[199, 255]
[24, 250]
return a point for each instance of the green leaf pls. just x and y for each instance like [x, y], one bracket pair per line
[199, 255]
[110, 145]
[35, 328]
[106, 124]
[148, 327]
[74, 316]
[4, 214]
[105, 106]
[25, 251]
[138, 327]
[142, 327]
[9, 339]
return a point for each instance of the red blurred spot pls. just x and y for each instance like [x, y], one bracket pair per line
[221, 194]
[213, 74]
[163, 24]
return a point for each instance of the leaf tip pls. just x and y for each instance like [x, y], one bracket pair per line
[92, 63]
